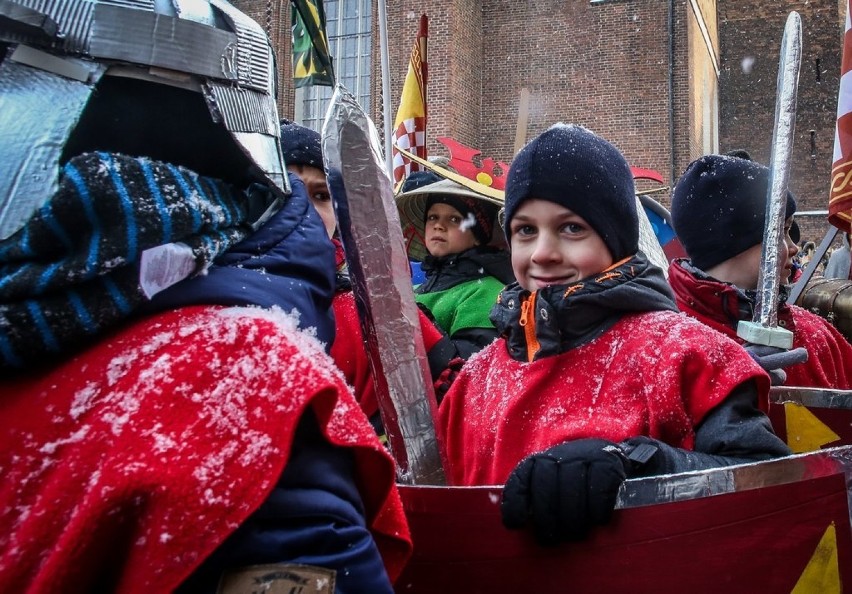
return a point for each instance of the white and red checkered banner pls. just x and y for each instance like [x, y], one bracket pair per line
[410, 124]
[840, 197]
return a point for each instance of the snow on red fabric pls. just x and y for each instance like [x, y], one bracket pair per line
[714, 303]
[349, 349]
[654, 374]
[135, 459]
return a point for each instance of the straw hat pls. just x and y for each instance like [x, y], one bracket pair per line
[412, 211]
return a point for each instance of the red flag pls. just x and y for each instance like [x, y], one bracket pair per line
[840, 197]
[410, 123]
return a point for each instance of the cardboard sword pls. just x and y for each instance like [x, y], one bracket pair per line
[369, 228]
[763, 329]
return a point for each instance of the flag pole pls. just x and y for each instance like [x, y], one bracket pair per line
[386, 103]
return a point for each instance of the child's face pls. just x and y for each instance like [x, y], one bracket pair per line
[317, 187]
[748, 271]
[552, 245]
[444, 231]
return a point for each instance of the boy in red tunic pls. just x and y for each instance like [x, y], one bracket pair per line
[302, 149]
[719, 209]
[596, 377]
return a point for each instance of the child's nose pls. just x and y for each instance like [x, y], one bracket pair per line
[792, 248]
[546, 250]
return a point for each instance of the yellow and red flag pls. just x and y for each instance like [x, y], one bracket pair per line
[840, 197]
[410, 124]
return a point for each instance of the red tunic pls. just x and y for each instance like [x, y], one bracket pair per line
[654, 374]
[139, 456]
[349, 350]
[716, 304]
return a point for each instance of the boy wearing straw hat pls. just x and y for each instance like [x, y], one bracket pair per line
[449, 227]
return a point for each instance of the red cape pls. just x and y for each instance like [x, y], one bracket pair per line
[655, 374]
[133, 461]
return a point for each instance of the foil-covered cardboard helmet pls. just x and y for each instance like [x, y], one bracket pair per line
[190, 82]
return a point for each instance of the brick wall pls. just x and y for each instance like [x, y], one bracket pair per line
[604, 65]
[607, 65]
[748, 96]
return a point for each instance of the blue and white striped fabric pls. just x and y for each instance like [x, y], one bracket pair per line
[72, 271]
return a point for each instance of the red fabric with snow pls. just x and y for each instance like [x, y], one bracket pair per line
[714, 303]
[138, 457]
[349, 349]
[654, 374]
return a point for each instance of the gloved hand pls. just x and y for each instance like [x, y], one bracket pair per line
[773, 360]
[447, 377]
[565, 490]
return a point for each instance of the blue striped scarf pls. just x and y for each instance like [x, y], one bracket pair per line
[72, 271]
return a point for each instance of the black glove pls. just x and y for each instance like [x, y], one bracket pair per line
[565, 490]
[773, 360]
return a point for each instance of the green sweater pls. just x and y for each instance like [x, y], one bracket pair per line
[466, 305]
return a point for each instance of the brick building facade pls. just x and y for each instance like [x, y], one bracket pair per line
[665, 81]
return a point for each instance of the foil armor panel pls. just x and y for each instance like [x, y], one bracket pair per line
[706, 483]
[45, 108]
[144, 37]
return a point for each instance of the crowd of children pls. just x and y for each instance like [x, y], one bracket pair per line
[174, 439]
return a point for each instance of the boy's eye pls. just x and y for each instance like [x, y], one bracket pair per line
[524, 230]
[321, 197]
[455, 220]
[572, 228]
[431, 218]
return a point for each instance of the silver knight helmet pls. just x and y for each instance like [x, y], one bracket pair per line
[190, 82]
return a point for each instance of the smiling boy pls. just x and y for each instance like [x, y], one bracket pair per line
[596, 377]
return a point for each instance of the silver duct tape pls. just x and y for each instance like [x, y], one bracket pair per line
[369, 226]
[72, 17]
[132, 31]
[694, 485]
[29, 23]
[254, 59]
[812, 397]
[153, 39]
[265, 151]
[771, 274]
[242, 110]
[38, 110]
[648, 243]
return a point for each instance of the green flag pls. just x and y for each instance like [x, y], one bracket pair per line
[312, 64]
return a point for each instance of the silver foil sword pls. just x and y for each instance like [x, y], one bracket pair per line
[369, 227]
[763, 329]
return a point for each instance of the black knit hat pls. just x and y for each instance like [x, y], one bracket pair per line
[300, 145]
[418, 179]
[719, 208]
[483, 213]
[575, 168]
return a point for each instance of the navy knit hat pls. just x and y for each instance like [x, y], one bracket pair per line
[575, 168]
[719, 208]
[483, 213]
[418, 179]
[300, 145]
